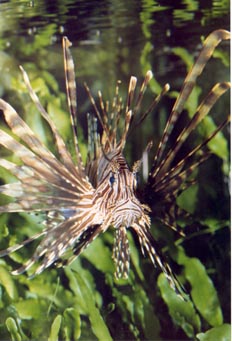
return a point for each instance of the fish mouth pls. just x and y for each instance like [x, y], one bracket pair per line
[127, 214]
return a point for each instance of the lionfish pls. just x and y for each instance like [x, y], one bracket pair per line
[82, 201]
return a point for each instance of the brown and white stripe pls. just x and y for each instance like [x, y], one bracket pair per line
[84, 201]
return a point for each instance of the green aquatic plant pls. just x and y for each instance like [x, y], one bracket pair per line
[85, 300]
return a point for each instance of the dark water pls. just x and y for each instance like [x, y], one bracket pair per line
[111, 36]
[113, 40]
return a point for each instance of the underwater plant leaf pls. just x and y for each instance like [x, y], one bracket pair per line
[55, 329]
[136, 310]
[203, 292]
[188, 199]
[222, 333]
[219, 144]
[182, 312]
[14, 330]
[215, 224]
[184, 54]
[88, 303]
[72, 324]
[223, 56]
[104, 261]
[30, 308]
[7, 282]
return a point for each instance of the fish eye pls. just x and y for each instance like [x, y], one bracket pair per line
[112, 179]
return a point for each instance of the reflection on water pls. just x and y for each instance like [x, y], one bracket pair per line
[111, 37]
[111, 40]
[119, 29]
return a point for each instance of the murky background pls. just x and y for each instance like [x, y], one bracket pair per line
[112, 40]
